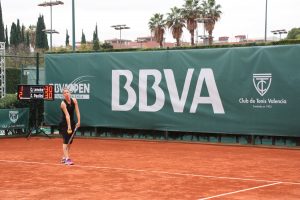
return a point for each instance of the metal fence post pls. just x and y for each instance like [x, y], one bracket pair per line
[37, 67]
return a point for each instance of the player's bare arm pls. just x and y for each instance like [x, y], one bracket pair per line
[64, 109]
[77, 112]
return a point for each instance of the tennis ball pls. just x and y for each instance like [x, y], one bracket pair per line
[69, 131]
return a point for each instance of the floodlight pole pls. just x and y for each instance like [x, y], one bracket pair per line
[141, 41]
[120, 28]
[51, 3]
[203, 20]
[266, 20]
[73, 25]
[282, 31]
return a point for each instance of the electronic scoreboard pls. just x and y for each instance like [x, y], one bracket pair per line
[27, 92]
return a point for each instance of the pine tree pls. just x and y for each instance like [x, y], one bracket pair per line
[2, 38]
[6, 38]
[67, 39]
[96, 45]
[13, 40]
[22, 40]
[18, 32]
[27, 40]
[41, 40]
[83, 40]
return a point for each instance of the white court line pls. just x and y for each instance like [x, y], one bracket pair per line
[253, 188]
[151, 171]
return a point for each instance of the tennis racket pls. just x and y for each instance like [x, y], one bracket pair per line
[72, 136]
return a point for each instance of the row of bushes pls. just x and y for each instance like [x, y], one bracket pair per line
[227, 45]
[9, 101]
[13, 78]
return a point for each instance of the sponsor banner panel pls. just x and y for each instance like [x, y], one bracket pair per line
[251, 90]
[14, 118]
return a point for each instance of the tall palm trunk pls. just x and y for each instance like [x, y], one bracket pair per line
[210, 27]
[192, 32]
[212, 11]
[191, 26]
[159, 36]
[210, 37]
[177, 42]
[161, 44]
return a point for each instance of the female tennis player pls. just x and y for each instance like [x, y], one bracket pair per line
[68, 124]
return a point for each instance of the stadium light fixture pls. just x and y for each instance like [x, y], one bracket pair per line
[282, 31]
[50, 3]
[141, 41]
[120, 27]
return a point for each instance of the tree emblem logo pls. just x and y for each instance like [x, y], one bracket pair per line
[262, 83]
[13, 116]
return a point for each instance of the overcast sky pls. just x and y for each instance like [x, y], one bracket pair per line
[240, 17]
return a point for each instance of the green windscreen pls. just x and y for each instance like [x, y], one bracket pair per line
[249, 90]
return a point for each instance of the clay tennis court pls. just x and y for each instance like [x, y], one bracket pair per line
[128, 169]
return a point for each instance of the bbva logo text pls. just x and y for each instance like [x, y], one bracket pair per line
[178, 101]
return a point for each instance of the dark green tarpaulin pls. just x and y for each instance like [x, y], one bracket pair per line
[252, 90]
[17, 118]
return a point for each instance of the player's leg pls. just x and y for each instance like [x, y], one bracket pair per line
[66, 149]
[63, 133]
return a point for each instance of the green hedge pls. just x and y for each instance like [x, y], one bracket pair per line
[9, 101]
[227, 45]
[12, 80]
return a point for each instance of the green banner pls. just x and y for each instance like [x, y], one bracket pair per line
[14, 118]
[250, 90]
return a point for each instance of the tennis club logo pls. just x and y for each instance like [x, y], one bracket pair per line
[14, 116]
[262, 83]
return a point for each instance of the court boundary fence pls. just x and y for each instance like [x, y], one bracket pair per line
[156, 135]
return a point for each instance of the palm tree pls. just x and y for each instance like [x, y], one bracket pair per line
[212, 12]
[176, 22]
[157, 26]
[191, 11]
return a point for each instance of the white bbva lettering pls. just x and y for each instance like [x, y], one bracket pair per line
[116, 92]
[206, 75]
[143, 91]
[214, 99]
[176, 101]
